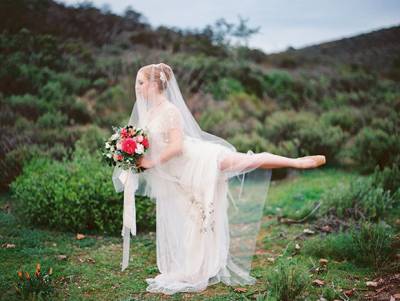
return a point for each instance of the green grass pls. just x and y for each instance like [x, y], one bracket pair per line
[292, 196]
[79, 278]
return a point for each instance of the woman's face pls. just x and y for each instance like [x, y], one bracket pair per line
[144, 87]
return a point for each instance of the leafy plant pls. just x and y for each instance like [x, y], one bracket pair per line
[36, 287]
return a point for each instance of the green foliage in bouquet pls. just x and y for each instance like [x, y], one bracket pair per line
[125, 147]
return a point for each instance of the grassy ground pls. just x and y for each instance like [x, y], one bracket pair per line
[91, 269]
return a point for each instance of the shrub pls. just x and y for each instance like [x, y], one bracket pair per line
[375, 147]
[224, 87]
[92, 139]
[245, 142]
[348, 119]
[360, 200]
[288, 280]
[306, 132]
[52, 119]
[367, 244]
[74, 195]
[28, 105]
[389, 177]
[71, 83]
[14, 160]
[318, 138]
[282, 125]
[373, 244]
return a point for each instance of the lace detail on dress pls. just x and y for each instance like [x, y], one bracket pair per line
[205, 215]
[172, 118]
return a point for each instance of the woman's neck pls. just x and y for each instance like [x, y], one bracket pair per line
[159, 101]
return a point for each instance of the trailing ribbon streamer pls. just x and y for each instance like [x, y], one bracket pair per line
[130, 181]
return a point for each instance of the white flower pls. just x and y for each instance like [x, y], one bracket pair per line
[109, 155]
[163, 77]
[115, 136]
[139, 148]
[112, 148]
[108, 145]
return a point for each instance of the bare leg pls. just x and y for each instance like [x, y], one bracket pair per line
[239, 161]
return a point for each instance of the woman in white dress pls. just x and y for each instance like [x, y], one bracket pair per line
[209, 197]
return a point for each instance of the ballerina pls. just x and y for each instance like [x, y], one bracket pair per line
[209, 196]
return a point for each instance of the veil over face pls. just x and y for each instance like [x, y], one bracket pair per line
[207, 167]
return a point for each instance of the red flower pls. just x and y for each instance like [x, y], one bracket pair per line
[129, 145]
[124, 133]
[145, 143]
[118, 157]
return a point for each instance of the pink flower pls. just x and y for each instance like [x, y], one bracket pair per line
[124, 133]
[129, 145]
[118, 157]
[145, 143]
[139, 138]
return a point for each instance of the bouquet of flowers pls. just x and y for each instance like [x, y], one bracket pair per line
[125, 147]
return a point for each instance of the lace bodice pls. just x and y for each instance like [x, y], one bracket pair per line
[164, 118]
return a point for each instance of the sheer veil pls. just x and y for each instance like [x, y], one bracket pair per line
[244, 184]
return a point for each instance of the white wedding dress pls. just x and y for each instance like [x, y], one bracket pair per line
[201, 240]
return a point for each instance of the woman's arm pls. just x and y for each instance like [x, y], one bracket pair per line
[173, 125]
[174, 148]
[175, 145]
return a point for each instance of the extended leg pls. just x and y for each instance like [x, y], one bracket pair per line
[241, 161]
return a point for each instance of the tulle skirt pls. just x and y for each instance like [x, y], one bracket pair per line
[193, 236]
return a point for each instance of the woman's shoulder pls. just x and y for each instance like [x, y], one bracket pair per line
[172, 111]
[169, 117]
[171, 107]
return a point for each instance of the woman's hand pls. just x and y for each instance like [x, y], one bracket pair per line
[145, 163]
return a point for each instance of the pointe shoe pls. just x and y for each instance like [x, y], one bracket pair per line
[310, 161]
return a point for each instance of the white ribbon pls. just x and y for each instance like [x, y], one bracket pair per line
[130, 180]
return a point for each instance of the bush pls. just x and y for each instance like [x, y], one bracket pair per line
[304, 130]
[245, 142]
[348, 119]
[224, 87]
[92, 139]
[318, 138]
[366, 244]
[373, 244]
[288, 280]
[360, 200]
[389, 177]
[282, 125]
[75, 195]
[14, 160]
[374, 146]
[52, 119]
[28, 105]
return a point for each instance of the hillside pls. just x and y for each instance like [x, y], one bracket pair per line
[377, 51]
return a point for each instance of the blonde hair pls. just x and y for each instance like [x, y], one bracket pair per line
[162, 74]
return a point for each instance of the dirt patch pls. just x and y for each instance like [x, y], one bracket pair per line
[387, 288]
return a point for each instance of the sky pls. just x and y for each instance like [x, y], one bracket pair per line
[283, 23]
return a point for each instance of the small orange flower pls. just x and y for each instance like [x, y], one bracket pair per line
[27, 276]
[20, 274]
